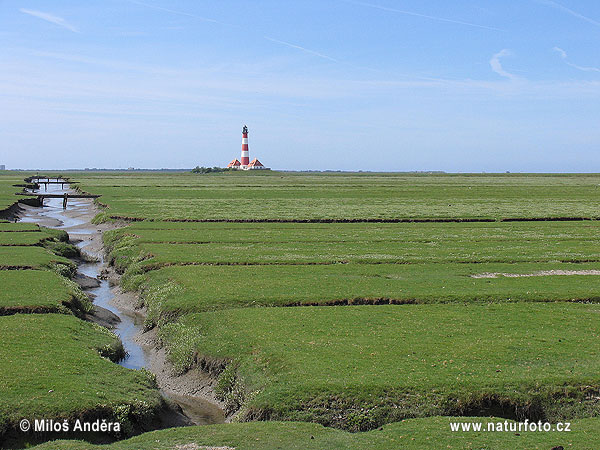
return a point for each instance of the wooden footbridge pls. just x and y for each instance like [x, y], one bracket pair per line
[65, 196]
[50, 180]
[46, 183]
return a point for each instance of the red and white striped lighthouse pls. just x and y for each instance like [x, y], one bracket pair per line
[245, 155]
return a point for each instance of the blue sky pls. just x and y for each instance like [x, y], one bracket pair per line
[469, 85]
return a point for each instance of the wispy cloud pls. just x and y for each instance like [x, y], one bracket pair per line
[50, 18]
[298, 47]
[423, 16]
[497, 65]
[564, 56]
[561, 52]
[203, 87]
[179, 13]
[206, 19]
[562, 8]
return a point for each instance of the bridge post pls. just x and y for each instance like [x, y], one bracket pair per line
[66, 196]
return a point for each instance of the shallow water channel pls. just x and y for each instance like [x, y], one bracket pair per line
[74, 220]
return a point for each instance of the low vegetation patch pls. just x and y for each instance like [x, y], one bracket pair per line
[176, 290]
[63, 249]
[358, 367]
[52, 368]
[17, 227]
[7, 190]
[302, 196]
[41, 236]
[468, 233]
[33, 257]
[206, 243]
[23, 238]
[40, 291]
[27, 247]
[511, 346]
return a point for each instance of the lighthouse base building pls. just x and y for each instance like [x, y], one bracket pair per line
[245, 163]
[255, 164]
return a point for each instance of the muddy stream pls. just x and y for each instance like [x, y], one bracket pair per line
[114, 309]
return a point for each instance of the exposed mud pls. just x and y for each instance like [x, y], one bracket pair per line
[21, 231]
[368, 220]
[11, 213]
[86, 282]
[193, 390]
[441, 220]
[357, 301]
[157, 266]
[193, 446]
[103, 317]
[541, 273]
[11, 310]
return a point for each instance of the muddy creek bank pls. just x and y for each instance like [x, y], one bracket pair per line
[193, 392]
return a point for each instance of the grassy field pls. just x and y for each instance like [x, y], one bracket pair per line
[26, 246]
[172, 291]
[424, 263]
[362, 366]
[291, 243]
[39, 291]
[57, 366]
[13, 236]
[488, 347]
[51, 368]
[511, 346]
[414, 434]
[295, 196]
[31, 257]
[23, 238]
[262, 233]
[10, 182]
[18, 227]
[7, 188]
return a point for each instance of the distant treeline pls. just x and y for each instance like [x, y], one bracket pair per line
[198, 169]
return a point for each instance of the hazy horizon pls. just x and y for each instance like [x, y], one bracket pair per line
[188, 169]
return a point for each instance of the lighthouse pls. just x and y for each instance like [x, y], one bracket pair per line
[245, 155]
[245, 163]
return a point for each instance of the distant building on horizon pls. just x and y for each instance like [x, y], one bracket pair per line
[245, 163]
[2, 167]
